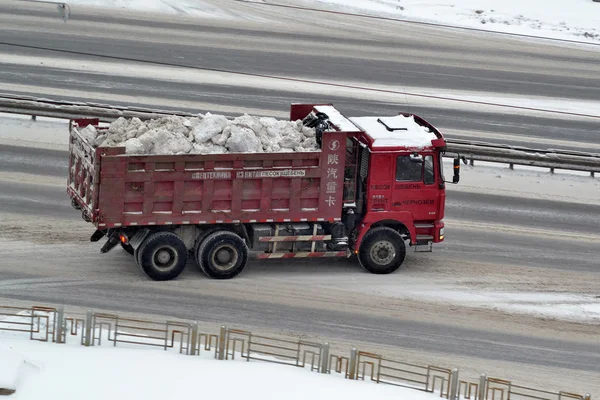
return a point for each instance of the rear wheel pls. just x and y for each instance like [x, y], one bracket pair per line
[382, 251]
[222, 255]
[162, 256]
[199, 242]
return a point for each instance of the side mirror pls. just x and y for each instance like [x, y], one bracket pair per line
[456, 176]
[416, 158]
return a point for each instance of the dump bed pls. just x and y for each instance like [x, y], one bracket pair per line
[115, 189]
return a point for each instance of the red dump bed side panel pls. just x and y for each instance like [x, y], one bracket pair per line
[121, 190]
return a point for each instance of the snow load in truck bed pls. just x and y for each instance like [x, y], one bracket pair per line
[205, 134]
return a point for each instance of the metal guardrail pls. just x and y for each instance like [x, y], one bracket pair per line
[514, 155]
[50, 324]
[42, 107]
[473, 151]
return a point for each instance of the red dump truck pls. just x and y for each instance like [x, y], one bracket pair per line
[376, 186]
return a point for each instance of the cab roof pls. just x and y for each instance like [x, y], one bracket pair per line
[385, 133]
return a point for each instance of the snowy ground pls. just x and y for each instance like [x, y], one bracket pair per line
[572, 20]
[547, 305]
[44, 370]
[566, 19]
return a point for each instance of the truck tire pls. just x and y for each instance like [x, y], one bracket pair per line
[222, 255]
[127, 247]
[199, 242]
[162, 256]
[382, 251]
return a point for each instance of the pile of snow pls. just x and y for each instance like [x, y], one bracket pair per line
[10, 370]
[208, 134]
[70, 370]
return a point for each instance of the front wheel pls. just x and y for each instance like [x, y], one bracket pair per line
[382, 251]
[162, 256]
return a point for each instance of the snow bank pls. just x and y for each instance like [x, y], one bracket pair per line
[124, 373]
[208, 134]
[10, 369]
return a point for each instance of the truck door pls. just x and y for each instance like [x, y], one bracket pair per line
[415, 187]
[380, 182]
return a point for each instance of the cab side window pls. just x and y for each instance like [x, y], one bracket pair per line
[408, 171]
[429, 178]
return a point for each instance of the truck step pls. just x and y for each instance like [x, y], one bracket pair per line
[305, 254]
[424, 244]
[301, 238]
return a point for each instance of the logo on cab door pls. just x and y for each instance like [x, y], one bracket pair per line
[418, 202]
[380, 187]
[405, 186]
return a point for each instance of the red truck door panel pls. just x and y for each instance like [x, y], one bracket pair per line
[415, 187]
[380, 182]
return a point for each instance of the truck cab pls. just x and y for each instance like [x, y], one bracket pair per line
[393, 183]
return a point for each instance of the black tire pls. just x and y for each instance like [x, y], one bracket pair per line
[128, 248]
[199, 242]
[222, 255]
[382, 251]
[162, 256]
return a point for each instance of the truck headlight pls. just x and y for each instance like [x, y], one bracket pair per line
[442, 234]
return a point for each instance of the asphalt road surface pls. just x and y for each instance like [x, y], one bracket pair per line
[494, 242]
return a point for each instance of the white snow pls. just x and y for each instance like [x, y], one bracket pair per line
[405, 131]
[336, 118]
[70, 370]
[208, 134]
[562, 19]
[10, 369]
[561, 306]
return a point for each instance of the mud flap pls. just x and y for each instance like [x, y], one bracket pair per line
[113, 240]
[97, 236]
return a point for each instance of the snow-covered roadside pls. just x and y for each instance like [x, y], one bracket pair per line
[574, 20]
[579, 308]
[45, 370]
[526, 182]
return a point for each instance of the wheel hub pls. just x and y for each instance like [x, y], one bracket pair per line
[225, 257]
[383, 252]
[165, 258]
